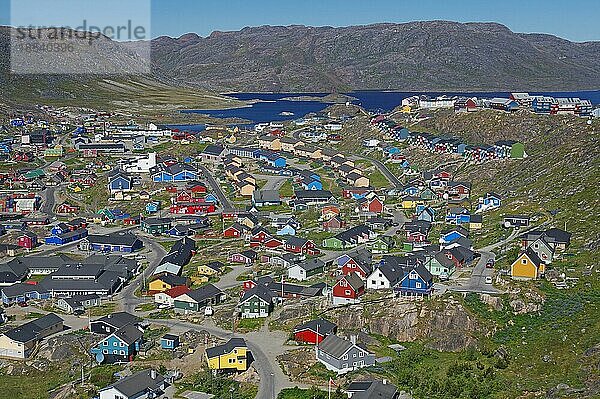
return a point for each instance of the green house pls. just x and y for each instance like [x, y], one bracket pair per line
[156, 225]
[517, 151]
[428, 194]
[256, 302]
[440, 264]
[382, 244]
[333, 243]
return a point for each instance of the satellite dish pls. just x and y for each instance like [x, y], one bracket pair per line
[100, 358]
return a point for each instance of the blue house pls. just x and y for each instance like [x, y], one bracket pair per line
[21, 292]
[120, 346]
[287, 230]
[490, 201]
[427, 214]
[188, 160]
[66, 237]
[152, 207]
[401, 134]
[458, 216]
[460, 148]
[120, 182]
[454, 235]
[312, 185]
[541, 104]
[411, 190]
[174, 173]
[169, 341]
[276, 161]
[405, 164]
[417, 281]
[211, 198]
[392, 150]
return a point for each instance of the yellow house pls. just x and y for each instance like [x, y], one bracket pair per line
[211, 269]
[476, 222]
[527, 266]
[232, 355]
[246, 189]
[166, 282]
[411, 202]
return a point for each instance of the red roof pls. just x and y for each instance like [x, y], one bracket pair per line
[176, 291]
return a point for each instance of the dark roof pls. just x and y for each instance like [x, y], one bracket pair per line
[214, 150]
[172, 279]
[29, 331]
[323, 326]
[296, 241]
[203, 293]
[392, 272]
[533, 257]
[170, 337]
[129, 334]
[373, 390]
[260, 291]
[118, 319]
[227, 347]
[313, 194]
[138, 383]
[311, 264]
[123, 239]
[335, 346]
[354, 280]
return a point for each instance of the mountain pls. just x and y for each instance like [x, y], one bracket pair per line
[420, 56]
[122, 85]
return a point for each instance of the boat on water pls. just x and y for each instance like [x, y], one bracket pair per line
[286, 113]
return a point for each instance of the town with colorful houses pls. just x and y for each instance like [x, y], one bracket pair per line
[186, 247]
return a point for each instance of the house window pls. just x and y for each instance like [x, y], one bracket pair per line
[418, 285]
[122, 352]
[115, 343]
[361, 354]
[115, 352]
[105, 343]
[373, 282]
[105, 351]
[345, 357]
[524, 261]
[347, 292]
[231, 361]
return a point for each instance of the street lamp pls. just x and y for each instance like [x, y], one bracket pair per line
[273, 384]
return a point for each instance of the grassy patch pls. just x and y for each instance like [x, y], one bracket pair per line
[221, 387]
[247, 325]
[312, 393]
[145, 307]
[378, 180]
[104, 309]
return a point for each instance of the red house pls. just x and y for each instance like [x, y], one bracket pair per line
[416, 236]
[348, 289]
[300, 245]
[236, 230]
[314, 331]
[273, 243]
[27, 240]
[352, 266]
[197, 189]
[192, 208]
[259, 236]
[370, 203]
[335, 223]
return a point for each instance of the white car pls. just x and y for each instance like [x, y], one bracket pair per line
[488, 280]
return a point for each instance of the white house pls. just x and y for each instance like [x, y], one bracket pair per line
[141, 165]
[144, 384]
[386, 276]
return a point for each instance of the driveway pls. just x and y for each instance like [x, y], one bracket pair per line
[218, 191]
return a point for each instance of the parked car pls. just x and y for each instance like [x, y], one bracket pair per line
[490, 264]
[488, 280]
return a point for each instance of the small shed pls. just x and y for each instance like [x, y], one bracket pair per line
[169, 341]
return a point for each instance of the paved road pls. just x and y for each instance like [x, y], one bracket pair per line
[49, 200]
[273, 182]
[264, 345]
[216, 187]
[385, 171]
[127, 296]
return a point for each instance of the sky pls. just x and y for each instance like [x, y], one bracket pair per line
[576, 20]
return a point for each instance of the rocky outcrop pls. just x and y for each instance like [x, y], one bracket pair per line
[444, 325]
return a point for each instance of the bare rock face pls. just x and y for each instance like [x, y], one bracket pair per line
[445, 325]
[494, 301]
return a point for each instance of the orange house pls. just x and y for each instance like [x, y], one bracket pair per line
[527, 266]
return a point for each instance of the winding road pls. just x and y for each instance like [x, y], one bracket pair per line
[218, 191]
